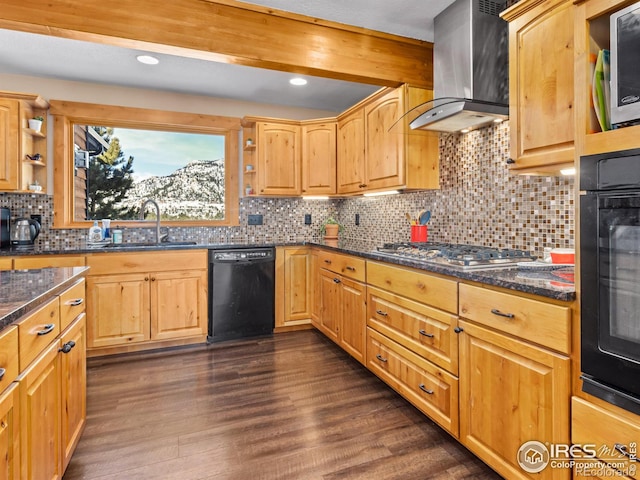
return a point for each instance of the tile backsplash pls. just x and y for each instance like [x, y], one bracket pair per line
[479, 202]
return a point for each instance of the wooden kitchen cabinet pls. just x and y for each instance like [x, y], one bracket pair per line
[162, 301]
[17, 141]
[319, 157]
[294, 287]
[516, 388]
[541, 85]
[47, 261]
[342, 311]
[376, 153]
[592, 32]
[10, 432]
[276, 154]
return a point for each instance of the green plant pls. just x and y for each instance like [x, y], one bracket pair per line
[331, 220]
[39, 117]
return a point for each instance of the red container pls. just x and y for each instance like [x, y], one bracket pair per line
[419, 233]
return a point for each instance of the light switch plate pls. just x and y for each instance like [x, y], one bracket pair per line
[255, 219]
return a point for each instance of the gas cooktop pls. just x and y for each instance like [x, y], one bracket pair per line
[459, 256]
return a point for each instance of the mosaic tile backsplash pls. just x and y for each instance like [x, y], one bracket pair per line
[479, 202]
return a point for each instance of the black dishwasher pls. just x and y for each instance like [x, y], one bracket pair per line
[241, 293]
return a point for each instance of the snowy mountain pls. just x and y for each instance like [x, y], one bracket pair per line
[193, 191]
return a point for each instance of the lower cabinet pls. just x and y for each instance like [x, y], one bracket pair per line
[342, 298]
[294, 287]
[52, 399]
[162, 299]
[10, 433]
[430, 388]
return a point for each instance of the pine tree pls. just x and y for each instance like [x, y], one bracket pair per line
[109, 178]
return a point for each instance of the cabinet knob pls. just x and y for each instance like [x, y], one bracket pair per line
[336, 280]
[458, 329]
[66, 348]
[146, 279]
[510, 161]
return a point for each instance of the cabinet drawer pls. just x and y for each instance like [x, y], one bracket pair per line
[48, 261]
[535, 321]
[37, 330]
[437, 292]
[591, 424]
[347, 265]
[422, 329]
[432, 390]
[8, 356]
[72, 304]
[140, 262]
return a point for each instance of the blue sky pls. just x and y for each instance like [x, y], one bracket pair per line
[162, 153]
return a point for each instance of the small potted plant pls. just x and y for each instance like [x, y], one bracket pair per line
[330, 228]
[249, 141]
[35, 123]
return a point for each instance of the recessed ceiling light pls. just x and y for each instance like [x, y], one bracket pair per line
[298, 81]
[147, 59]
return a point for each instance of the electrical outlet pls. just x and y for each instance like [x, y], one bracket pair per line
[37, 218]
[307, 219]
[255, 219]
[357, 219]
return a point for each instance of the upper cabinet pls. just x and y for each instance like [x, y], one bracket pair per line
[592, 33]
[23, 149]
[377, 150]
[541, 85]
[272, 161]
[319, 157]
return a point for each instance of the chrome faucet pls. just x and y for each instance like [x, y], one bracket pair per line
[144, 205]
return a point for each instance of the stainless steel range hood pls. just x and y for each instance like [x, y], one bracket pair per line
[470, 68]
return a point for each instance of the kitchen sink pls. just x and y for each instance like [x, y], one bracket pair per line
[147, 244]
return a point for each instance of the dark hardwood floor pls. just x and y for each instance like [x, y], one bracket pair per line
[294, 406]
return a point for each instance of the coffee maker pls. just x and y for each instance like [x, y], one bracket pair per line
[5, 217]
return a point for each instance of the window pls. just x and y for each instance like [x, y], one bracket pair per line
[109, 159]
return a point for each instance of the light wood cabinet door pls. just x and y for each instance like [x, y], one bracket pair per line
[73, 387]
[319, 158]
[9, 144]
[353, 318]
[541, 85]
[513, 392]
[40, 417]
[118, 312]
[178, 304]
[330, 304]
[384, 148]
[297, 286]
[10, 433]
[278, 155]
[351, 152]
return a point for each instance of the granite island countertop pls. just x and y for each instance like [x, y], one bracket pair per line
[550, 284]
[23, 290]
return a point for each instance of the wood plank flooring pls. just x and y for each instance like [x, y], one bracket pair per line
[294, 406]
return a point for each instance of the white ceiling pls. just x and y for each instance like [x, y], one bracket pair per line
[52, 57]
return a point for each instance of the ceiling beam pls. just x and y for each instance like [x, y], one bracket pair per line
[232, 32]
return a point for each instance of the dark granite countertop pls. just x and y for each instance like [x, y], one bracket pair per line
[23, 290]
[555, 285]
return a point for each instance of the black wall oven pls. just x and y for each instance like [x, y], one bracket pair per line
[610, 277]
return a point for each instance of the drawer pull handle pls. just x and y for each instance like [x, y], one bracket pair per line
[76, 302]
[422, 332]
[381, 358]
[381, 313]
[48, 328]
[622, 449]
[336, 280]
[327, 261]
[66, 348]
[495, 311]
[425, 389]
[2, 372]
[353, 269]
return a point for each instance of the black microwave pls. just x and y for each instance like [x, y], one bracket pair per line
[625, 66]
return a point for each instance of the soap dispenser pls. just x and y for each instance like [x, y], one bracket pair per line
[95, 233]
